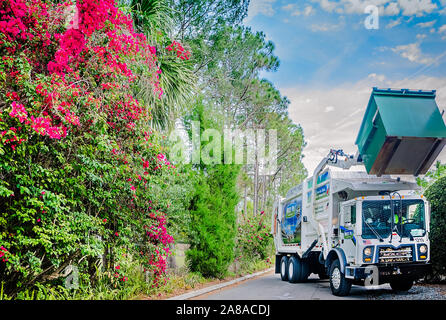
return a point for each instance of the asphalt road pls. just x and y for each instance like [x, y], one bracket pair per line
[270, 287]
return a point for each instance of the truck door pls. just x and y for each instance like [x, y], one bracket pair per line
[347, 226]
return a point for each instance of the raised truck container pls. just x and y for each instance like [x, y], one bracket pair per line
[402, 132]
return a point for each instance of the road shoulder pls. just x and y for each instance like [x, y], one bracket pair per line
[210, 289]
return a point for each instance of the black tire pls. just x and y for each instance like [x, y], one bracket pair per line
[401, 284]
[284, 268]
[294, 270]
[339, 285]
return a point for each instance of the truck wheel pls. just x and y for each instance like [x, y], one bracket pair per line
[284, 268]
[401, 284]
[339, 285]
[294, 270]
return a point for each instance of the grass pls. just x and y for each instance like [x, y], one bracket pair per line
[178, 282]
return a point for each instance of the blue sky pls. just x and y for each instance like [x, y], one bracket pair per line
[330, 60]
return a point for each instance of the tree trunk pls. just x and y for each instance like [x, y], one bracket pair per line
[264, 193]
[256, 179]
[245, 201]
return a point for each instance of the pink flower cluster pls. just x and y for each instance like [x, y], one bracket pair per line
[158, 263]
[42, 125]
[179, 50]
[19, 111]
[72, 44]
[158, 231]
[3, 251]
[12, 23]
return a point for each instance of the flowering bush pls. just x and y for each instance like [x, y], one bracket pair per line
[253, 238]
[82, 172]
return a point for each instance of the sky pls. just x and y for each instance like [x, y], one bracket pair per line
[331, 59]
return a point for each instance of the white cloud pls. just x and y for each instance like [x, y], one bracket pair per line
[328, 27]
[392, 9]
[442, 29]
[421, 36]
[377, 77]
[257, 7]
[427, 24]
[413, 53]
[386, 7]
[339, 129]
[288, 7]
[309, 10]
[327, 5]
[393, 23]
[416, 7]
[324, 27]
[329, 109]
[295, 13]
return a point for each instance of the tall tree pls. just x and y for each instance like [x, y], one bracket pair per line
[200, 18]
[213, 216]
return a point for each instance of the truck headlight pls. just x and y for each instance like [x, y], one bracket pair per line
[367, 251]
[423, 248]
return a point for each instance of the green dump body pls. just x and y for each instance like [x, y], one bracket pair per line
[402, 132]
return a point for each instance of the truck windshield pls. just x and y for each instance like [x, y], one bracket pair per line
[409, 220]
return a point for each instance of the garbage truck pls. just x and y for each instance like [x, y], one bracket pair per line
[366, 227]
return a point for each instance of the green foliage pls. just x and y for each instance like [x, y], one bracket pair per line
[229, 59]
[200, 18]
[432, 175]
[253, 237]
[91, 198]
[213, 216]
[212, 230]
[98, 192]
[437, 197]
[155, 19]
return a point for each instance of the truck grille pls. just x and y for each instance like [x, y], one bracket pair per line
[403, 254]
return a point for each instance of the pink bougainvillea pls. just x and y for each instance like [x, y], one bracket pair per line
[81, 69]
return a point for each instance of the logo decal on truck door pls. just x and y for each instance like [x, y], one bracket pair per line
[348, 234]
[291, 222]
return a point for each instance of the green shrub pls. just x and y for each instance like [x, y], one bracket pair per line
[253, 238]
[435, 193]
[213, 225]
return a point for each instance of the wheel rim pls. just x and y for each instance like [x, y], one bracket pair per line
[283, 269]
[290, 270]
[336, 278]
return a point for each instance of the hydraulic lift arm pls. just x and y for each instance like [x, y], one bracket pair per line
[335, 158]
